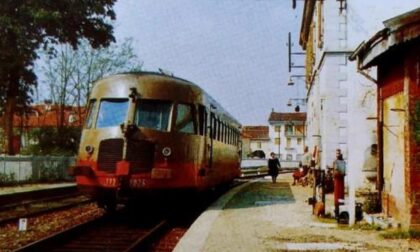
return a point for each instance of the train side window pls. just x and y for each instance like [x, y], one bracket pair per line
[214, 126]
[222, 131]
[153, 114]
[91, 114]
[219, 132]
[225, 135]
[237, 138]
[216, 129]
[112, 112]
[230, 135]
[202, 118]
[206, 121]
[185, 119]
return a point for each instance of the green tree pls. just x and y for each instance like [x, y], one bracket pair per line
[27, 25]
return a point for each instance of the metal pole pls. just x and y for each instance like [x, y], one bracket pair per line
[279, 139]
[290, 52]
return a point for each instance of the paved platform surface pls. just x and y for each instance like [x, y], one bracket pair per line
[261, 216]
[32, 187]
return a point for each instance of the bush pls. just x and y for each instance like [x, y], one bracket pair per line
[372, 203]
[7, 179]
[53, 141]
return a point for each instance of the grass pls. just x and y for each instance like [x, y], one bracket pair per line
[400, 234]
[262, 191]
[361, 226]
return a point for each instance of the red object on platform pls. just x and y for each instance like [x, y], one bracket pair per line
[338, 188]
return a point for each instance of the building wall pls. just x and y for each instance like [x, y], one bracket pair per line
[361, 20]
[294, 149]
[263, 145]
[313, 117]
[246, 147]
[340, 100]
[399, 80]
[412, 146]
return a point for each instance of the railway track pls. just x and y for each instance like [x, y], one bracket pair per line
[146, 227]
[38, 202]
[21, 198]
[35, 208]
[109, 233]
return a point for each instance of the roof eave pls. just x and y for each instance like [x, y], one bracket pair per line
[400, 29]
[308, 12]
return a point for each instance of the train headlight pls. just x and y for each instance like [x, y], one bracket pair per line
[89, 149]
[166, 151]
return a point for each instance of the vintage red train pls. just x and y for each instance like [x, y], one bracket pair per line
[150, 132]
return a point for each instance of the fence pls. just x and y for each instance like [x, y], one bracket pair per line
[259, 166]
[256, 162]
[34, 168]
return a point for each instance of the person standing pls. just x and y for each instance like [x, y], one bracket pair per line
[339, 167]
[273, 167]
[306, 162]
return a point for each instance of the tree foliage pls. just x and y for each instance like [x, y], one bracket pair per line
[27, 25]
[54, 141]
[71, 74]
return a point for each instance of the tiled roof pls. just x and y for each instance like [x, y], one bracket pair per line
[255, 132]
[274, 116]
[43, 115]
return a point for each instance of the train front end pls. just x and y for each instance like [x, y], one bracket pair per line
[126, 146]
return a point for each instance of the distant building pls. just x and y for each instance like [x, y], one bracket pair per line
[287, 134]
[40, 116]
[255, 141]
[395, 51]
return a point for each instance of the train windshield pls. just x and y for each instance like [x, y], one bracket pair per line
[112, 112]
[153, 114]
[91, 113]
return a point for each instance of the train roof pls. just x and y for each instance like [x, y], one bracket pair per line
[220, 110]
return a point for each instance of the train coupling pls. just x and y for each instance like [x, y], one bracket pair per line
[123, 168]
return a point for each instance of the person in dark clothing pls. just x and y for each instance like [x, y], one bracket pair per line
[273, 167]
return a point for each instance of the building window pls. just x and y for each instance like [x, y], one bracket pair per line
[299, 129]
[277, 141]
[259, 145]
[289, 129]
[288, 142]
[299, 141]
[289, 157]
[277, 128]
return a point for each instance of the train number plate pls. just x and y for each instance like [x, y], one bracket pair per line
[110, 182]
[137, 182]
[160, 173]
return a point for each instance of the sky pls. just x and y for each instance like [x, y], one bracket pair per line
[234, 49]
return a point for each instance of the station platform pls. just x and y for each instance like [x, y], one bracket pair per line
[262, 216]
[33, 187]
